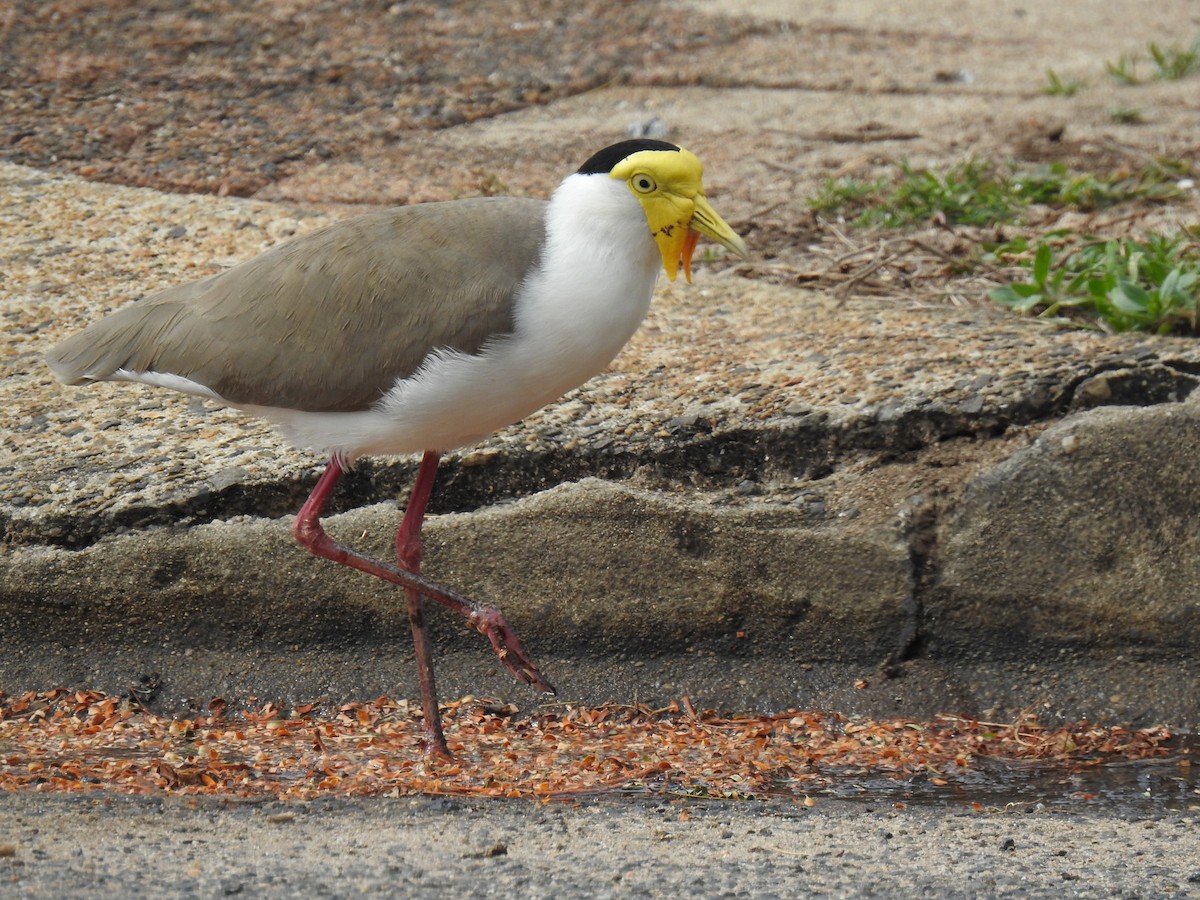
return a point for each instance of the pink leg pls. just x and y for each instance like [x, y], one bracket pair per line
[483, 618]
[408, 555]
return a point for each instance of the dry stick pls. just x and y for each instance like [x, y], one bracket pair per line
[862, 274]
[837, 232]
[760, 214]
[780, 167]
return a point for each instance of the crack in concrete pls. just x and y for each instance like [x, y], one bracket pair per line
[700, 456]
[1154, 383]
[921, 535]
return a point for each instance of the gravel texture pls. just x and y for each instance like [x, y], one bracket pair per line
[233, 96]
[51, 847]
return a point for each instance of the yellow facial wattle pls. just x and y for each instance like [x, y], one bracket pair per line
[668, 184]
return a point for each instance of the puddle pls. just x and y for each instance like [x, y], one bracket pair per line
[1143, 786]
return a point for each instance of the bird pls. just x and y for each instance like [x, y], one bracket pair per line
[421, 329]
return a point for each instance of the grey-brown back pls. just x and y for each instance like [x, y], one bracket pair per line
[329, 321]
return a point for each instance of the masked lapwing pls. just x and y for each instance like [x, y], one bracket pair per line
[421, 329]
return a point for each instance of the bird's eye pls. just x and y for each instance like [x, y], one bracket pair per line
[642, 183]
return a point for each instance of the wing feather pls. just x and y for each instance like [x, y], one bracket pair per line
[328, 322]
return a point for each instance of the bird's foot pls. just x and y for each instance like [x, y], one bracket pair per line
[489, 621]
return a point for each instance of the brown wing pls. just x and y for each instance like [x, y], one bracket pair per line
[329, 321]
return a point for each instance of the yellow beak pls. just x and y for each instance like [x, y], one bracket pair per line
[677, 223]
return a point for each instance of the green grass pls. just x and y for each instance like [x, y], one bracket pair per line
[1124, 70]
[976, 192]
[1058, 87]
[1125, 115]
[1170, 63]
[968, 193]
[1152, 284]
[847, 192]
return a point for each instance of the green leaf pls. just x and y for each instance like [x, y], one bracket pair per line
[1012, 295]
[1129, 298]
[1041, 263]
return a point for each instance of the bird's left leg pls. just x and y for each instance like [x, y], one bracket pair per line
[486, 619]
[408, 556]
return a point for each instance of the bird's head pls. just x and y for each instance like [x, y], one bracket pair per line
[666, 180]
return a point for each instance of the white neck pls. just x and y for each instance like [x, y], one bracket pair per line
[597, 272]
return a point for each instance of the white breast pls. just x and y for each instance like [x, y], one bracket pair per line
[574, 313]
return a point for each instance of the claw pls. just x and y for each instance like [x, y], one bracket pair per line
[490, 622]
